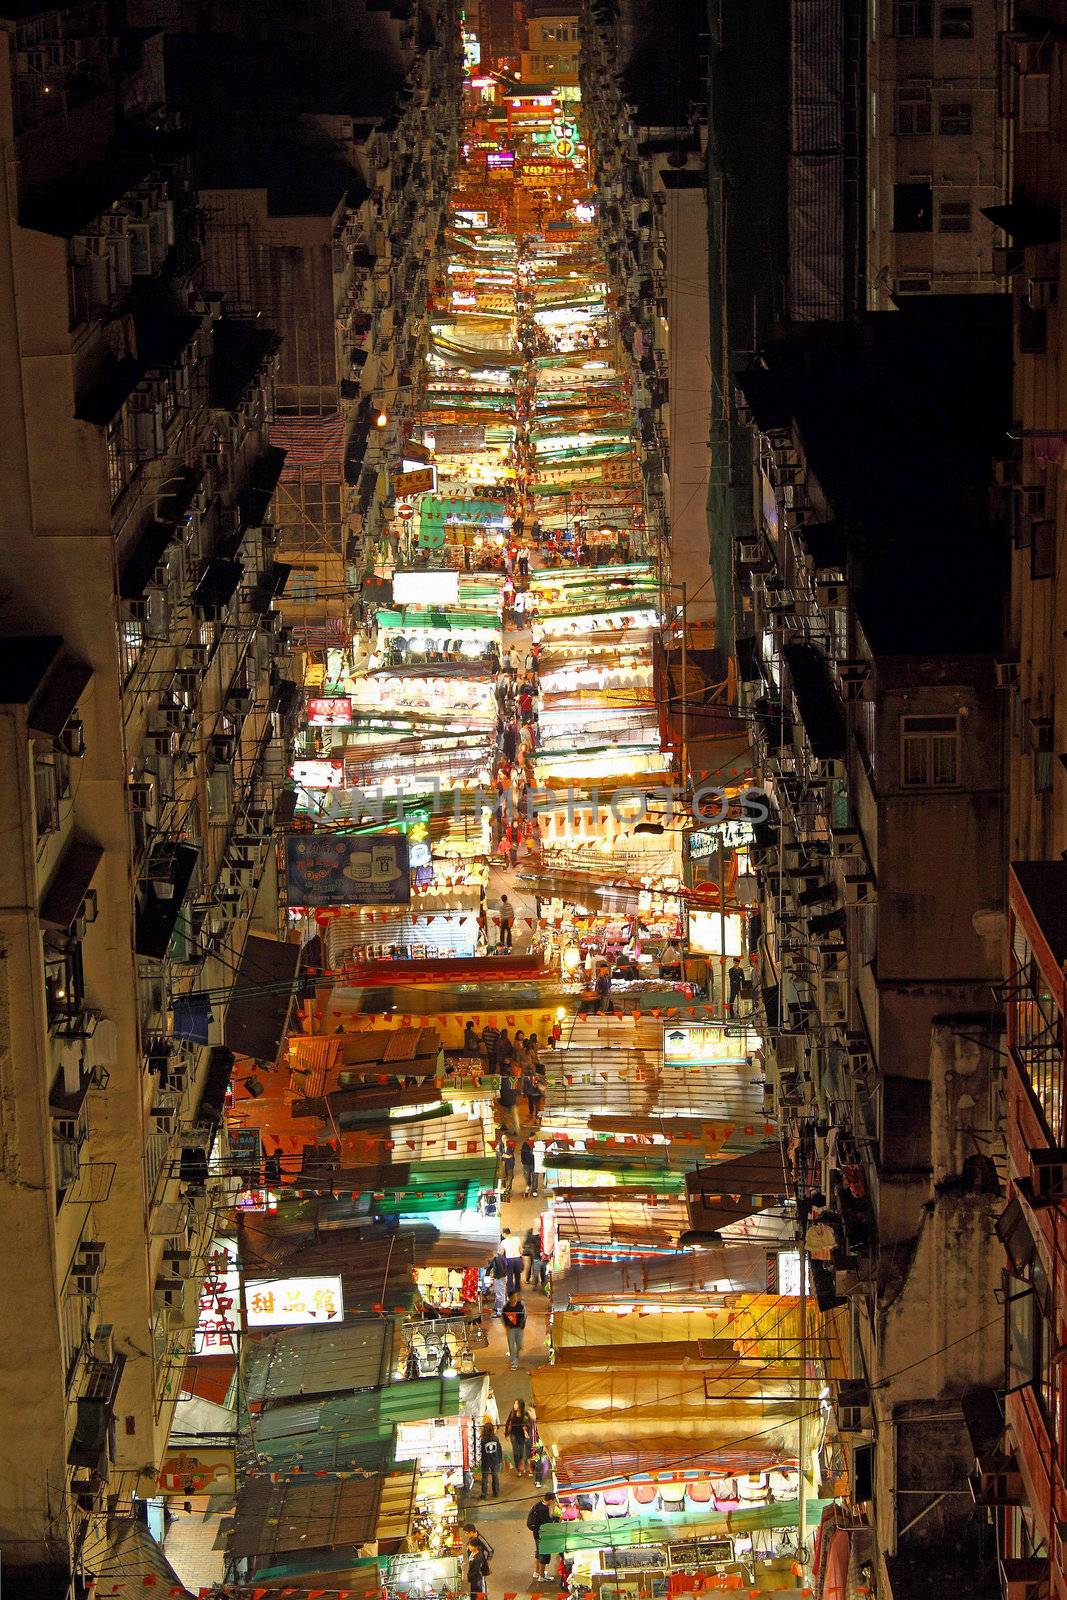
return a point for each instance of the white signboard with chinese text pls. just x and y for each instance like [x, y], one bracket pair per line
[282, 1302]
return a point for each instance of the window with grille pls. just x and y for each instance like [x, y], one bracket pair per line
[957, 22]
[929, 752]
[912, 19]
[956, 117]
[911, 110]
[954, 216]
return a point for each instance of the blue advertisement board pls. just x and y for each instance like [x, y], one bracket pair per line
[330, 869]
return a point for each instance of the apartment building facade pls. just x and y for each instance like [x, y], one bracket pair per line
[551, 46]
[1020, 1467]
[146, 712]
[876, 719]
[938, 148]
[648, 135]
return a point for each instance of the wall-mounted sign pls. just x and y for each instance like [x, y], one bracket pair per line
[421, 480]
[208, 1470]
[730, 834]
[329, 869]
[335, 712]
[217, 1320]
[498, 159]
[284, 1302]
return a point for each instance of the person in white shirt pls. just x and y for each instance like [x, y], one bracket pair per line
[511, 1247]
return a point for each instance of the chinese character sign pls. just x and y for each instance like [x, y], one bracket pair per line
[280, 1302]
[218, 1320]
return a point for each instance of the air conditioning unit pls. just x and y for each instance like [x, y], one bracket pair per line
[164, 1118]
[1006, 673]
[89, 1492]
[103, 1345]
[859, 890]
[231, 905]
[847, 842]
[1007, 472]
[163, 743]
[833, 998]
[1041, 293]
[243, 870]
[852, 1407]
[168, 1293]
[176, 1077]
[142, 793]
[87, 1265]
[1047, 1176]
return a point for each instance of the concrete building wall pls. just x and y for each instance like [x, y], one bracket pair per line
[936, 148]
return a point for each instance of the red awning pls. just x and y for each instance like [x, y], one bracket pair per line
[209, 1377]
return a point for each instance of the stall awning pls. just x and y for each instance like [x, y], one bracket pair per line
[733, 1190]
[258, 1011]
[277, 1517]
[70, 883]
[659, 1528]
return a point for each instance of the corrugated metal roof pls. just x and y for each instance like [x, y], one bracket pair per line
[317, 1361]
[299, 1515]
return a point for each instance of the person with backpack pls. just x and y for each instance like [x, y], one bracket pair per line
[541, 1513]
[508, 1100]
[490, 1456]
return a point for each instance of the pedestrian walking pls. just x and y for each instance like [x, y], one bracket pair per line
[498, 1270]
[531, 1088]
[513, 1317]
[509, 1102]
[507, 1167]
[526, 1157]
[507, 922]
[736, 980]
[542, 1512]
[539, 1163]
[477, 1570]
[509, 1244]
[518, 1430]
[490, 1456]
[503, 1051]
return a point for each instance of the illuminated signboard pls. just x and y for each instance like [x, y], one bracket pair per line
[706, 930]
[332, 713]
[330, 869]
[731, 834]
[319, 774]
[421, 480]
[500, 158]
[425, 588]
[284, 1302]
[210, 1469]
[709, 1042]
[472, 51]
[217, 1321]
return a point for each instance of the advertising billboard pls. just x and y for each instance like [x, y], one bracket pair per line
[330, 869]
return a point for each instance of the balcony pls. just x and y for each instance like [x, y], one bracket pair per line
[1035, 993]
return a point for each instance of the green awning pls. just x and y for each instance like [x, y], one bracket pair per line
[559, 1538]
